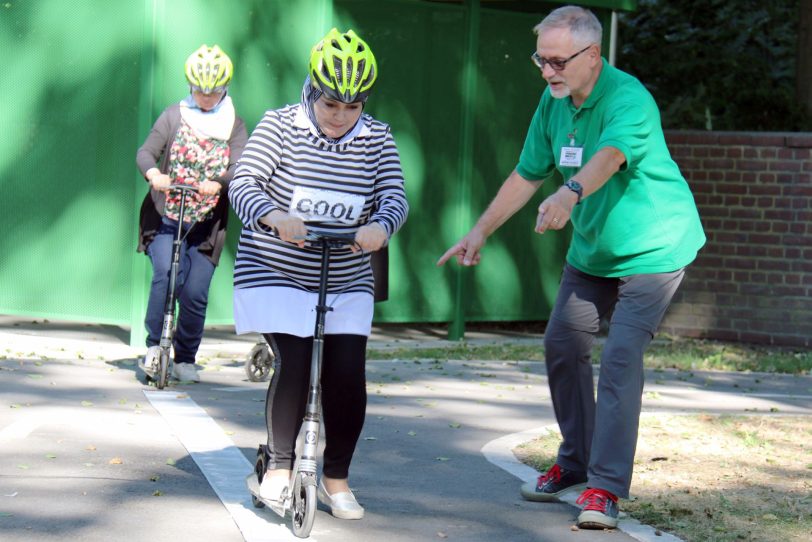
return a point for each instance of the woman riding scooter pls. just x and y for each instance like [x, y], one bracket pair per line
[322, 165]
[196, 142]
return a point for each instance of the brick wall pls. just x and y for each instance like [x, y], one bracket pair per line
[752, 282]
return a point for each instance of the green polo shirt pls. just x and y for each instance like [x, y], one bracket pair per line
[644, 219]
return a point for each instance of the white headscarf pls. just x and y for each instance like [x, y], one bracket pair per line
[217, 123]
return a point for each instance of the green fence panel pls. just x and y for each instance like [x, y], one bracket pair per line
[70, 94]
[269, 42]
[421, 93]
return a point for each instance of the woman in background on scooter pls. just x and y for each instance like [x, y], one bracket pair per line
[196, 142]
[325, 162]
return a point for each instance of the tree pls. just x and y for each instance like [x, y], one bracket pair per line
[717, 64]
[803, 62]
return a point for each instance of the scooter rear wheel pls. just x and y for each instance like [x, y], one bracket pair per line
[163, 368]
[304, 504]
[259, 362]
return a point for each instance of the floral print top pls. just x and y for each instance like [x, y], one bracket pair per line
[193, 159]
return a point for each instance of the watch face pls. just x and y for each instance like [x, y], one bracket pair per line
[575, 186]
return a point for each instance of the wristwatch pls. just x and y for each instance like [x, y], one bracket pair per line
[576, 187]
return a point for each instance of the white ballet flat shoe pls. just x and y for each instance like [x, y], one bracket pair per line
[342, 505]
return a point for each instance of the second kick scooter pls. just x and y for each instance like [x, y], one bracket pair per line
[158, 370]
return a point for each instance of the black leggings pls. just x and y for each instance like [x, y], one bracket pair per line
[343, 399]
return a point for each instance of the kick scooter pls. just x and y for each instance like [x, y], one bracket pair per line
[159, 372]
[300, 496]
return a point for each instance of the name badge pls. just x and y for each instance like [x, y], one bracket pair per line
[315, 205]
[571, 156]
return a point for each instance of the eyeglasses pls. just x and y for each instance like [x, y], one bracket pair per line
[555, 63]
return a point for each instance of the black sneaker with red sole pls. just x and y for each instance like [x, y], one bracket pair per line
[554, 483]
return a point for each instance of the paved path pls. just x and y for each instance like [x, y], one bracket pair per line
[86, 450]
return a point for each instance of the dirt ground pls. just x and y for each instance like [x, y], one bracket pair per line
[716, 478]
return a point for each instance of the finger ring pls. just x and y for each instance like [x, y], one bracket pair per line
[555, 220]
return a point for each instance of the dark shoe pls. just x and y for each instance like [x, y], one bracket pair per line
[554, 483]
[599, 509]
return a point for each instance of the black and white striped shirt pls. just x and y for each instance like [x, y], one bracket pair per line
[284, 153]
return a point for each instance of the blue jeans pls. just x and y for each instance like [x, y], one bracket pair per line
[191, 288]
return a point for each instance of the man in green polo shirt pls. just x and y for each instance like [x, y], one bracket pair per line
[635, 228]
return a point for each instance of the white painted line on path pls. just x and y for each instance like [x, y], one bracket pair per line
[222, 463]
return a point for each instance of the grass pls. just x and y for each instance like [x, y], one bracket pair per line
[664, 352]
[715, 478]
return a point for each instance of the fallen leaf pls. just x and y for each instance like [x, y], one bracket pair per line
[157, 493]
[116, 461]
[87, 403]
[454, 425]
[170, 461]
[441, 458]
[154, 478]
[411, 433]
[50, 456]
[90, 448]
[370, 438]
[442, 534]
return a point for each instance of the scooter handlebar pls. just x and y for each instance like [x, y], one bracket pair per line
[333, 239]
[318, 236]
[186, 187]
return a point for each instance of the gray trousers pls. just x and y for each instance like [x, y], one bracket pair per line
[601, 438]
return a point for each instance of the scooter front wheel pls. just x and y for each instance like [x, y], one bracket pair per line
[260, 466]
[304, 504]
[163, 368]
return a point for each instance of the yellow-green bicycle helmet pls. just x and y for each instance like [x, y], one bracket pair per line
[343, 67]
[209, 69]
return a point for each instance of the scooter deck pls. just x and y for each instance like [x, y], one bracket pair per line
[149, 373]
[253, 486]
